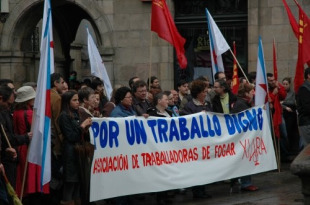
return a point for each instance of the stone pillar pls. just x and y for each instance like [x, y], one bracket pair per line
[301, 168]
[76, 57]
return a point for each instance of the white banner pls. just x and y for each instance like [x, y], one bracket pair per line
[137, 155]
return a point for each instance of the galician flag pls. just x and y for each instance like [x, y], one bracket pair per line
[97, 67]
[40, 146]
[218, 45]
[261, 89]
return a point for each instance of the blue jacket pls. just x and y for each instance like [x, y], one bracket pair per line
[121, 111]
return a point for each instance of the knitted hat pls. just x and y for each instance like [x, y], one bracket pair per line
[25, 93]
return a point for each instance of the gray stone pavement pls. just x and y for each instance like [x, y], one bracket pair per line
[276, 188]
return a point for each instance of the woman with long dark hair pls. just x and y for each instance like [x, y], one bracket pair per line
[72, 129]
[290, 117]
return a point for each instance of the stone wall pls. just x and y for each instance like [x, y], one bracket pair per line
[136, 46]
[268, 18]
[123, 38]
[129, 48]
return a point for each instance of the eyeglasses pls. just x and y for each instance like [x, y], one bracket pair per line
[142, 91]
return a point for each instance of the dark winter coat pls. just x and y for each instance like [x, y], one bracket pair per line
[303, 104]
[140, 107]
[72, 132]
[217, 105]
[191, 108]
[15, 140]
[153, 111]
[240, 105]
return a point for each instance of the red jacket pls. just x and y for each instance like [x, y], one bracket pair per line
[32, 184]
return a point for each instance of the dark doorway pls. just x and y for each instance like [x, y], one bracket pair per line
[231, 18]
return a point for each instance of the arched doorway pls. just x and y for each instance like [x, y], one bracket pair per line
[20, 39]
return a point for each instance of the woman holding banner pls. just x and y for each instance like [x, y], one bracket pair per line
[160, 103]
[123, 101]
[244, 101]
[85, 150]
[160, 106]
[199, 91]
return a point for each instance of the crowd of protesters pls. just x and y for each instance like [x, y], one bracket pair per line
[74, 104]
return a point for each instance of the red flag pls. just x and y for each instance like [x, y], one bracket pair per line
[299, 73]
[303, 48]
[163, 24]
[235, 78]
[302, 32]
[275, 68]
[291, 18]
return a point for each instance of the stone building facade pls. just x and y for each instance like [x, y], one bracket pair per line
[121, 29]
[269, 19]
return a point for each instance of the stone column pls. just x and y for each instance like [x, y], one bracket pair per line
[301, 168]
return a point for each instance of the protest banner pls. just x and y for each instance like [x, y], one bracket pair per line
[137, 155]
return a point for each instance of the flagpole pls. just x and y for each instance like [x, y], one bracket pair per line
[275, 68]
[26, 163]
[150, 70]
[239, 65]
[275, 73]
[24, 177]
[296, 2]
[276, 144]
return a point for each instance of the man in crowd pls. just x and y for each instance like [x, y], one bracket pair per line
[9, 83]
[303, 108]
[9, 141]
[183, 91]
[220, 75]
[132, 81]
[217, 76]
[277, 94]
[175, 96]
[140, 103]
[57, 87]
[224, 99]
